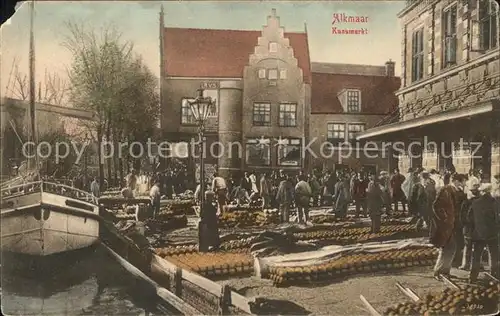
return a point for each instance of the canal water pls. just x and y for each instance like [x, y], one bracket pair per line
[86, 283]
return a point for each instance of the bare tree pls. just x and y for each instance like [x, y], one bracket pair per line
[107, 80]
[53, 90]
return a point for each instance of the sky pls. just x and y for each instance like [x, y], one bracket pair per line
[138, 21]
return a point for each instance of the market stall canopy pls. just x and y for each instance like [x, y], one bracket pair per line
[389, 130]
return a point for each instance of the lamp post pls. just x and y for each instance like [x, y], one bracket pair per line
[200, 108]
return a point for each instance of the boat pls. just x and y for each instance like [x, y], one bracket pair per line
[42, 218]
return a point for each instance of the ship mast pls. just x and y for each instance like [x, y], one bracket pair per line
[32, 105]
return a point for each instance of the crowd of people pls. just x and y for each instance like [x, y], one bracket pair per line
[460, 210]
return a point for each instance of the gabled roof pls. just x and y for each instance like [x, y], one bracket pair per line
[377, 92]
[220, 53]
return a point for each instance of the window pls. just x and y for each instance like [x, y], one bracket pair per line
[214, 94]
[262, 74]
[417, 66]
[289, 152]
[335, 132]
[487, 25]
[450, 36]
[353, 130]
[283, 74]
[353, 98]
[273, 47]
[258, 152]
[272, 74]
[288, 115]
[262, 114]
[187, 116]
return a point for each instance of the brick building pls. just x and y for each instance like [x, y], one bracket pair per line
[346, 100]
[450, 86]
[262, 81]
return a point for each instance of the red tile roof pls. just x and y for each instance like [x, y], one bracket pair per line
[377, 92]
[220, 53]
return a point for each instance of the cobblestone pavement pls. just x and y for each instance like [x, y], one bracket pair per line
[343, 297]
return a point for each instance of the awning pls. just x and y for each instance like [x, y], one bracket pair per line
[441, 117]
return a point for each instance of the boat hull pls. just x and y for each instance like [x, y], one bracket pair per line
[42, 224]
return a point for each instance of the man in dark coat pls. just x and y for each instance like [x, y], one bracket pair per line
[444, 225]
[483, 218]
[397, 180]
[208, 228]
[468, 228]
[375, 201]
[341, 199]
[360, 186]
[284, 197]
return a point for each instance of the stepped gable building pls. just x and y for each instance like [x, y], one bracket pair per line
[262, 82]
[346, 100]
[450, 87]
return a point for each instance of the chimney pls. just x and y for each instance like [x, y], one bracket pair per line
[389, 68]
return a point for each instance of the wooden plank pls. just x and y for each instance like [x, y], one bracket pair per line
[241, 302]
[178, 281]
[408, 292]
[163, 293]
[224, 300]
[369, 306]
[122, 200]
[237, 300]
[491, 277]
[206, 284]
[449, 282]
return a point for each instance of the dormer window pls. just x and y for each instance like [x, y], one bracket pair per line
[262, 74]
[272, 74]
[350, 100]
[273, 47]
[353, 100]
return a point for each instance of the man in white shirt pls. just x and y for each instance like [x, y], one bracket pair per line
[303, 194]
[472, 181]
[155, 196]
[94, 188]
[220, 188]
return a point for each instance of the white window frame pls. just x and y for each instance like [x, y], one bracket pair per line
[282, 110]
[265, 141]
[186, 107]
[328, 124]
[214, 94]
[273, 47]
[348, 110]
[284, 142]
[267, 112]
[417, 55]
[489, 19]
[283, 74]
[262, 73]
[348, 131]
[272, 71]
[449, 31]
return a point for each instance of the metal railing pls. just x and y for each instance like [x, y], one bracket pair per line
[49, 187]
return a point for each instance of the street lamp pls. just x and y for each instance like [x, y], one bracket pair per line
[201, 107]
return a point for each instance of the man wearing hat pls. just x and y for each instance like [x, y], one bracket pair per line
[208, 228]
[444, 224]
[385, 182]
[472, 195]
[483, 216]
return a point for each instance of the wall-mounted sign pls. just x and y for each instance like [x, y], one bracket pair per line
[210, 85]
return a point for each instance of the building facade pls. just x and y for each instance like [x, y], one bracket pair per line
[449, 98]
[346, 100]
[50, 119]
[269, 102]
